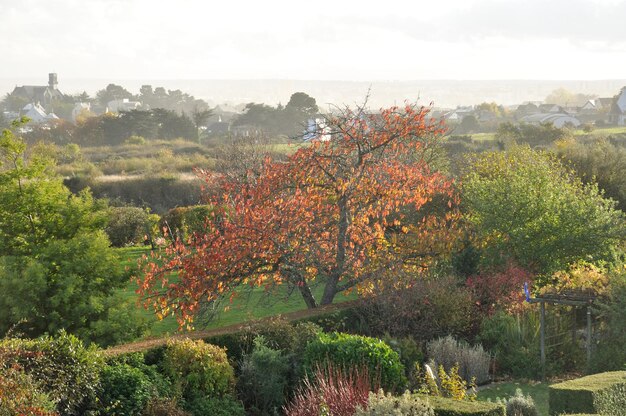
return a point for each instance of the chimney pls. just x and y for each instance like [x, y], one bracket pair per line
[52, 80]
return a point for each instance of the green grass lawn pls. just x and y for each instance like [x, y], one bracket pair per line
[538, 391]
[482, 137]
[253, 305]
[602, 131]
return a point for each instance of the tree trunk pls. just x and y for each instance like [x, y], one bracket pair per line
[305, 290]
[330, 290]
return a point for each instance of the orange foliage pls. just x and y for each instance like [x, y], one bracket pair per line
[342, 212]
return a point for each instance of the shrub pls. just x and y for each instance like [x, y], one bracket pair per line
[263, 378]
[603, 393]
[514, 341]
[19, 393]
[520, 405]
[333, 391]
[278, 333]
[125, 390]
[156, 192]
[348, 351]
[610, 353]
[447, 384]
[66, 370]
[198, 369]
[183, 222]
[500, 289]
[135, 140]
[379, 404]
[431, 308]
[409, 351]
[127, 226]
[473, 362]
[163, 407]
[137, 360]
[224, 406]
[448, 407]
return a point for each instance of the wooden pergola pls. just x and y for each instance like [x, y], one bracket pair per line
[576, 298]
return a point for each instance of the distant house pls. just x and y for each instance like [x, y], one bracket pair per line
[316, 130]
[459, 113]
[35, 112]
[125, 104]
[80, 108]
[590, 107]
[526, 110]
[550, 108]
[617, 115]
[558, 120]
[44, 95]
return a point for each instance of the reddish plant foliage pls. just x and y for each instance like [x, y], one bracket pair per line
[501, 289]
[344, 211]
[337, 391]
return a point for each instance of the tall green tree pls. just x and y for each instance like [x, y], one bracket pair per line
[525, 204]
[112, 92]
[57, 270]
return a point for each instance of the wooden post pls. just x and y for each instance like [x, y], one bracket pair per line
[543, 340]
[588, 334]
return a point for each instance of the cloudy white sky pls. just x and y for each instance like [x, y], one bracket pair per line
[322, 39]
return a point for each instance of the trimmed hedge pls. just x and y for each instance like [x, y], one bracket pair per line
[354, 351]
[603, 393]
[449, 407]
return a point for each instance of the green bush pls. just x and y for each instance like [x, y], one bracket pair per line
[198, 369]
[138, 360]
[278, 333]
[381, 404]
[514, 341]
[135, 140]
[127, 226]
[183, 222]
[610, 353]
[348, 351]
[224, 406]
[408, 349]
[603, 393]
[66, 371]
[263, 378]
[125, 390]
[448, 407]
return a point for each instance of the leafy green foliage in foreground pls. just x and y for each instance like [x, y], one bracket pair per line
[57, 270]
[347, 351]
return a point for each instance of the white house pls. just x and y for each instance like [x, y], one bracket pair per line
[35, 112]
[618, 110]
[558, 120]
[116, 106]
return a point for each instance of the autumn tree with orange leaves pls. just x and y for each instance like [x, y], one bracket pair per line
[348, 211]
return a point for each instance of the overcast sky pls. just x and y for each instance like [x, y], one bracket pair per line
[321, 39]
